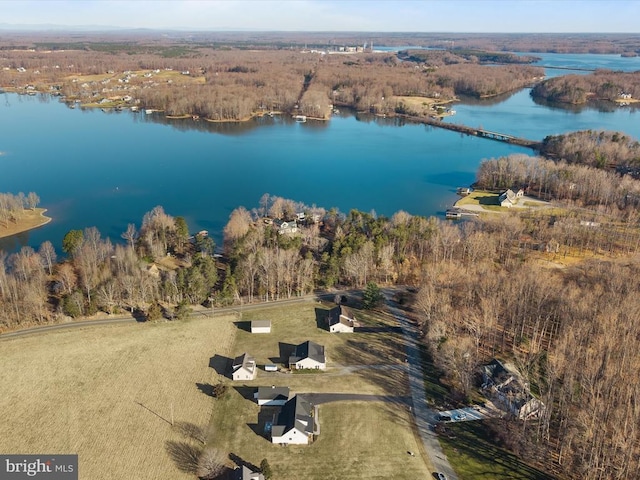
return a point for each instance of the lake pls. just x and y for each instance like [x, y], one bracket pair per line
[106, 169]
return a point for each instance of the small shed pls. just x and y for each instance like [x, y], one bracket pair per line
[260, 326]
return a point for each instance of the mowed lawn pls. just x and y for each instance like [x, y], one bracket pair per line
[108, 393]
[357, 439]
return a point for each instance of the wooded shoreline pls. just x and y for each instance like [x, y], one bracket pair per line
[32, 219]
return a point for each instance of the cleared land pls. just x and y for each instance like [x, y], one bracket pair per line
[30, 220]
[107, 393]
[358, 439]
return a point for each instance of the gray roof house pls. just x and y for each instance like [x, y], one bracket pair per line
[272, 396]
[295, 423]
[245, 473]
[510, 197]
[244, 367]
[510, 391]
[308, 355]
[340, 319]
[285, 227]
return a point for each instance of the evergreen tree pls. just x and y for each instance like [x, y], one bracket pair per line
[372, 296]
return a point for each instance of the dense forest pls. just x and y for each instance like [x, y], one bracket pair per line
[598, 149]
[234, 84]
[601, 85]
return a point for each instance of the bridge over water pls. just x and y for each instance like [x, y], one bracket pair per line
[480, 132]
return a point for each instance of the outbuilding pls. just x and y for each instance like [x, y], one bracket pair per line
[260, 326]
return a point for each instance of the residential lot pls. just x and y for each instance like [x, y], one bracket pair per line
[109, 393]
[358, 439]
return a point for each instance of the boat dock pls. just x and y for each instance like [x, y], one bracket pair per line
[455, 213]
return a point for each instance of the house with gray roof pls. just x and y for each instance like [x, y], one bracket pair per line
[244, 367]
[340, 319]
[295, 424]
[510, 390]
[272, 396]
[510, 197]
[245, 473]
[308, 355]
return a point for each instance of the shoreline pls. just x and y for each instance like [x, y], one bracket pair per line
[33, 219]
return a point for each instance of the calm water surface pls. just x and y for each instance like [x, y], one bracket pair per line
[94, 168]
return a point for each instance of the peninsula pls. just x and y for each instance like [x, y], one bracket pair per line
[31, 219]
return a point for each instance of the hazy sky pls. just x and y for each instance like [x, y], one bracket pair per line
[335, 15]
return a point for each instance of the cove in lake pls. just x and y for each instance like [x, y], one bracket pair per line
[106, 169]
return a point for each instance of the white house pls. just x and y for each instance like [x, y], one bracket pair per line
[295, 425]
[308, 355]
[260, 326]
[341, 319]
[245, 473]
[244, 367]
[510, 197]
[286, 228]
[272, 396]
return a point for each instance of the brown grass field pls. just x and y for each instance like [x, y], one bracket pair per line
[31, 219]
[109, 393]
[358, 440]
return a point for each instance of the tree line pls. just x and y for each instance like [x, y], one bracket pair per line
[12, 207]
[233, 85]
[579, 89]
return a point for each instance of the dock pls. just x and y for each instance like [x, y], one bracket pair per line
[455, 213]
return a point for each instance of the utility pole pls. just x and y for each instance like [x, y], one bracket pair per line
[211, 301]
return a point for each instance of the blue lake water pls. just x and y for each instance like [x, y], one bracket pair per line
[94, 168]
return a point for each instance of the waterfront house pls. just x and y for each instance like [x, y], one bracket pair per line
[244, 367]
[308, 355]
[510, 197]
[286, 228]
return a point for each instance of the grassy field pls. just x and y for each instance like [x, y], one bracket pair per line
[475, 456]
[31, 219]
[107, 393]
[358, 439]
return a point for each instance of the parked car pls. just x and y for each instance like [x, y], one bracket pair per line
[441, 476]
[460, 416]
[444, 418]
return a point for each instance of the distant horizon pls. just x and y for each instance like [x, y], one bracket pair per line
[332, 16]
[44, 27]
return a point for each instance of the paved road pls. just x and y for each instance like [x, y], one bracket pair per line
[424, 416]
[130, 319]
